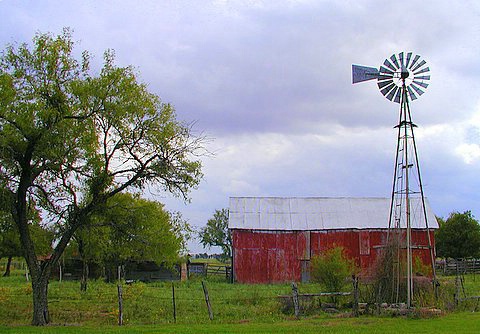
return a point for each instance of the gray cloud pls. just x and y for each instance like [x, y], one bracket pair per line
[271, 81]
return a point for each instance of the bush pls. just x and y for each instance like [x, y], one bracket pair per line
[332, 269]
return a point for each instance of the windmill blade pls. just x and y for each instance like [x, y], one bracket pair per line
[385, 71]
[411, 93]
[419, 83]
[392, 93]
[382, 84]
[385, 90]
[395, 61]
[418, 90]
[422, 77]
[363, 73]
[400, 56]
[409, 55]
[389, 65]
[426, 69]
[397, 96]
[417, 57]
[420, 64]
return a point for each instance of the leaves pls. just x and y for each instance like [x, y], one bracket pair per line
[216, 232]
[132, 228]
[332, 268]
[458, 236]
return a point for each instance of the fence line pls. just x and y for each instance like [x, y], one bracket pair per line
[458, 266]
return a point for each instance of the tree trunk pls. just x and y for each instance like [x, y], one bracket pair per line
[84, 278]
[7, 269]
[40, 302]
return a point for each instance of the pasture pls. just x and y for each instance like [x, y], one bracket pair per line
[236, 308]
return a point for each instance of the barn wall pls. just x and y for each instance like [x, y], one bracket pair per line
[283, 256]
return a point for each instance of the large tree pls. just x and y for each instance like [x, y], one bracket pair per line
[216, 232]
[458, 236]
[71, 139]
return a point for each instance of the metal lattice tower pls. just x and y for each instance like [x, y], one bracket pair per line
[402, 79]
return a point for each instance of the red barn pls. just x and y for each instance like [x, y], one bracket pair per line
[274, 238]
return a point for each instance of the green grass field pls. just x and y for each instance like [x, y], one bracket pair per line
[463, 322]
[237, 308]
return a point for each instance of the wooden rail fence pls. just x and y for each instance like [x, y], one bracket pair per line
[458, 266]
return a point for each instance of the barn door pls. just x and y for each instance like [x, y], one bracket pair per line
[364, 242]
[305, 267]
[304, 253]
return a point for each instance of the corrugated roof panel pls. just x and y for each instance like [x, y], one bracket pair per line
[299, 219]
[238, 218]
[283, 221]
[237, 205]
[267, 222]
[315, 221]
[296, 213]
[251, 219]
[251, 205]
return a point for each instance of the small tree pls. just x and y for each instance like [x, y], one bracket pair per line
[216, 233]
[332, 268]
[458, 236]
[131, 228]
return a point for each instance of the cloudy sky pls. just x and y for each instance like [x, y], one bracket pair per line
[270, 83]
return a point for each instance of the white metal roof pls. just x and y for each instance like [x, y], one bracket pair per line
[319, 213]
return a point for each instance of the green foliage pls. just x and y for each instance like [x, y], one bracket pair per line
[458, 236]
[132, 228]
[332, 269]
[216, 232]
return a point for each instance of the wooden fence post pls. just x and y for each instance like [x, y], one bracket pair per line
[60, 272]
[355, 296]
[174, 305]
[120, 304]
[296, 305]
[207, 300]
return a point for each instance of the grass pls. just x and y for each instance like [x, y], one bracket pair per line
[145, 303]
[457, 322]
[237, 308]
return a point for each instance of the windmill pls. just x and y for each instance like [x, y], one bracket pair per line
[401, 79]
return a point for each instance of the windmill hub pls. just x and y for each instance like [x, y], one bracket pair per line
[404, 73]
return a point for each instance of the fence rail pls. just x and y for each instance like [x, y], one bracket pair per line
[458, 266]
[209, 269]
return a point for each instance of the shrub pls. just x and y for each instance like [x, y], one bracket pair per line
[331, 269]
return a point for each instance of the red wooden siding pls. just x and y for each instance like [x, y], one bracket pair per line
[279, 256]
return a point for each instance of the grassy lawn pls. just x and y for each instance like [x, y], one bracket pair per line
[237, 308]
[453, 323]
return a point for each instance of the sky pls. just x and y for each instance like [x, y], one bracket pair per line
[269, 82]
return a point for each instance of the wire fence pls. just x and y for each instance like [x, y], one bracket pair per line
[198, 301]
[139, 303]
